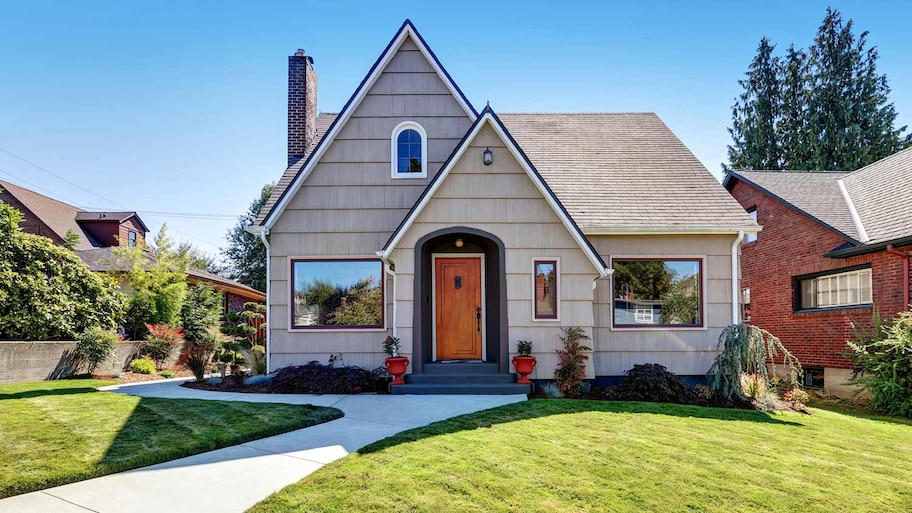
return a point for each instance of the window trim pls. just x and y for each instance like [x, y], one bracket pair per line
[557, 281]
[796, 289]
[335, 329]
[132, 238]
[750, 238]
[661, 327]
[394, 151]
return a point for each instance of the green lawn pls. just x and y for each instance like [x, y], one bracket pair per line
[56, 432]
[568, 456]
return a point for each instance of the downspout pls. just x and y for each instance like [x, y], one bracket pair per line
[388, 267]
[263, 233]
[905, 273]
[736, 279]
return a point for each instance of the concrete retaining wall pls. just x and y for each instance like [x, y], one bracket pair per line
[39, 360]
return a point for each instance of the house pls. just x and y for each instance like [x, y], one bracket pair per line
[99, 233]
[834, 246]
[411, 214]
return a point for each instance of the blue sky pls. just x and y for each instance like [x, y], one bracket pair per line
[172, 106]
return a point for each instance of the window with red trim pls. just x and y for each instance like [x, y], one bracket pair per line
[341, 293]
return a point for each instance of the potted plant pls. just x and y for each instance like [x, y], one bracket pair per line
[524, 362]
[395, 364]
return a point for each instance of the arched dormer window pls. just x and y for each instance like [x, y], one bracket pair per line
[409, 151]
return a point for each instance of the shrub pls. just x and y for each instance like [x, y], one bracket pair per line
[652, 382]
[255, 358]
[200, 311]
[745, 349]
[167, 374]
[159, 278]
[391, 347]
[571, 365]
[140, 310]
[315, 378]
[197, 365]
[883, 365]
[46, 291]
[524, 348]
[143, 366]
[94, 346]
[161, 342]
[796, 396]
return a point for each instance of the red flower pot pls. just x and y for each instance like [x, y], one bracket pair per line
[396, 366]
[524, 366]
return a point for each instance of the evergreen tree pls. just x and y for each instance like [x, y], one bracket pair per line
[245, 256]
[794, 136]
[755, 114]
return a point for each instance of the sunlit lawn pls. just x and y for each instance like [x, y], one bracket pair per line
[56, 432]
[568, 456]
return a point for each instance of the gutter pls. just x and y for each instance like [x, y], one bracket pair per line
[736, 279]
[671, 230]
[868, 248]
[905, 273]
[262, 232]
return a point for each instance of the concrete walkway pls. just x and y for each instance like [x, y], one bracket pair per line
[235, 478]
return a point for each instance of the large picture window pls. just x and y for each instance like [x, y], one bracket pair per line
[337, 294]
[660, 293]
[838, 289]
[545, 301]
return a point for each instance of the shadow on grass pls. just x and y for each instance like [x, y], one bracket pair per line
[538, 408]
[849, 409]
[41, 393]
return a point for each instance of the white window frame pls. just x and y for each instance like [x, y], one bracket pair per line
[751, 237]
[704, 304]
[394, 151]
[643, 314]
[323, 329]
[557, 282]
[857, 275]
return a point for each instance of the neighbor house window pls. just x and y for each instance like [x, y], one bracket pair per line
[337, 294]
[131, 239]
[751, 237]
[545, 290]
[659, 293]
[409, 151]
[845, 288]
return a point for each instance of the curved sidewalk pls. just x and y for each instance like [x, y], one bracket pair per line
[234, 478]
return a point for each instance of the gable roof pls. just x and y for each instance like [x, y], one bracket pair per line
[815, 195]
[280, 197]
[486, 117]
[60, 217]
[109, 217]
[881, 194]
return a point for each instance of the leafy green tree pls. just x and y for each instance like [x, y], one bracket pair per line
[46, 291]
[197, 258]
[72, 240]
[361, 305]
[200, 312]
[755, 114]
[643, 279]
[245, 256]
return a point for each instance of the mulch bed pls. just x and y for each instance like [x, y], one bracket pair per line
[135, 377]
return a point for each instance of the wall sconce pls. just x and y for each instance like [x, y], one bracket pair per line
[488, 157]
[459, 243]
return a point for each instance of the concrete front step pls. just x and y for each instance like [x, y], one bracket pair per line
[460, 378]
[460, 389]
[461, 368]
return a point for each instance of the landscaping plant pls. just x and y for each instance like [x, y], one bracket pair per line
[143, 365]
[652, 382]
[94, 346]
[883, 364]
[391, 347]
[200, 311]
[746, 350]
[571, 365]
[524, 348]
[255, 359]
[167, 374]
[161, 341]
[316, 378]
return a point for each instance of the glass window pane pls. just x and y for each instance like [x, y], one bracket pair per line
[404, 149]
[403, 137]
[414, 136]
[546, 290]
[808, 293]
[865, 287]
[660, 292]
[338, 293]
[403, 165]
[414, 165]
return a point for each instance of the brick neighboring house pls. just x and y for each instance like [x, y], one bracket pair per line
[834, 246]
[100, 232]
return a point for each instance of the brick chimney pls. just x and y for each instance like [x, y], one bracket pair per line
[302, 105]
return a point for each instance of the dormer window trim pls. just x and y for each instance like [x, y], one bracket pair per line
[394, 150]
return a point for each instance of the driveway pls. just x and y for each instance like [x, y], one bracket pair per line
[234, 478]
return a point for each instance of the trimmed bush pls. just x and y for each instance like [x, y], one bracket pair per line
[46, 291]
[143, 366]
[167, 374]
[652, 382]
[315, 378]
[94, 346]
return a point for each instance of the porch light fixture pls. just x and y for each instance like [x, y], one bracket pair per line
[488, 157]
[459, 243]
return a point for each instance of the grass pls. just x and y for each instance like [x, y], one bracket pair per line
[575, 456]
[57, 432]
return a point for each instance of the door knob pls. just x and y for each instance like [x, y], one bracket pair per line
[478, 318]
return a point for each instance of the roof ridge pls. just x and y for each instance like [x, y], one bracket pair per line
[790, 171]
[589, 113]
[79, 209]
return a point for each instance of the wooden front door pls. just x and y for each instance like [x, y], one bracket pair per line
[458, 312]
